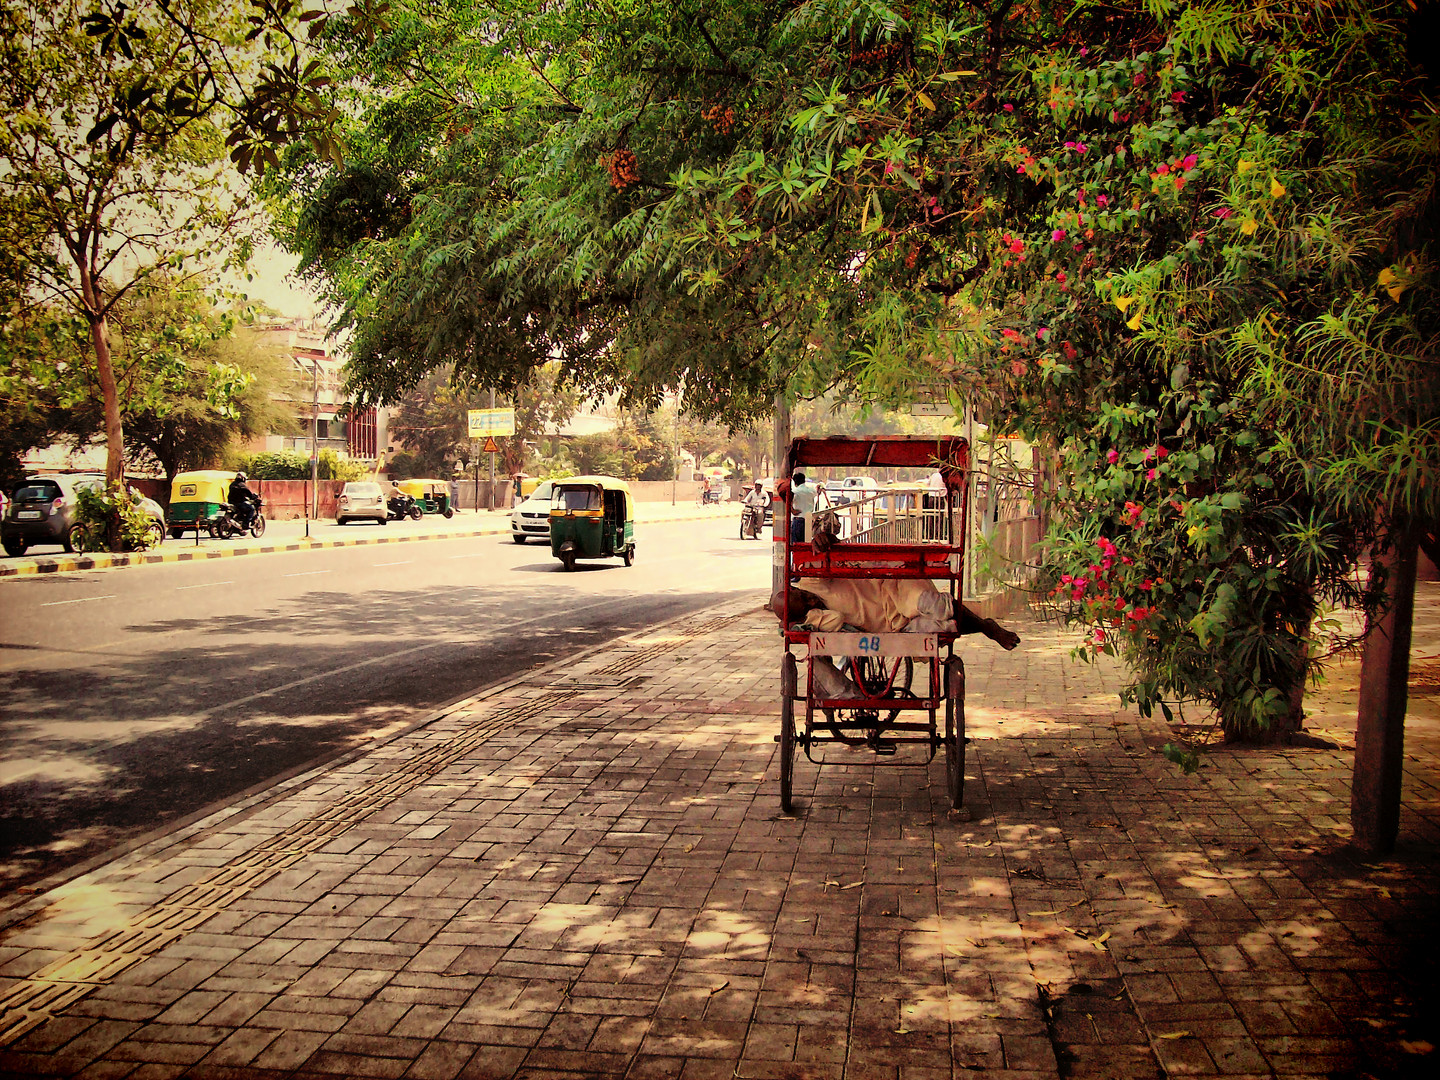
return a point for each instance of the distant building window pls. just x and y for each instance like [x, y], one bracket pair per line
[322, 429]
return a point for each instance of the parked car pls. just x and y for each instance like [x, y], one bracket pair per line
[532, 517]
[43, 510]
[361, 500]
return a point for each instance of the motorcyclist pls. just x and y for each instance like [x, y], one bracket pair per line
[244, 503]
[754, 502]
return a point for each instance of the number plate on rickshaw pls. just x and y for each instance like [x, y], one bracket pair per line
[873, 644]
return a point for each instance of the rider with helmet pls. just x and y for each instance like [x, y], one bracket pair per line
[754, 502]
[244, 503]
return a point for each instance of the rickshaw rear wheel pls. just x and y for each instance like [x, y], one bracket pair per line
[630, 555]
[872, 678]
[176, 534]
[568, 561]
[955, 731]
[449, 513]
[788, 684]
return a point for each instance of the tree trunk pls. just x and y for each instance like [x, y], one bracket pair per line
[1384, 696]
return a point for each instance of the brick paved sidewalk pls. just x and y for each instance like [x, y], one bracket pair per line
[591, 877]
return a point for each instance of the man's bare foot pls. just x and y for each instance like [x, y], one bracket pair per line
[1006, 639]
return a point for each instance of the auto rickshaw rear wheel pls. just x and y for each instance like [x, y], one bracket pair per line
[567, 560]
[630, 555]
[449, 513]
[176, 534]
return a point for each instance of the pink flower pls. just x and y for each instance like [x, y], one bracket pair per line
[1060, 276]
[889, 168]
[1163, 170]
[1102, 200]
[1161, 452]
[1020, 169]
[1223, 213]
[1017, 246]
[1008, 107]
[1057, 235]
[1099, 636]
[1147, 585]
[1178, 96]
[1189, 162]
[1150, 474]
[1085, 50]
[1112, 456]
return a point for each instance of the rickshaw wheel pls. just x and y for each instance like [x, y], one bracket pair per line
[176, 534]
[872, 677]
[630, 555]
[955, 730]
[788, 683]
[568, 561]
[449, 513]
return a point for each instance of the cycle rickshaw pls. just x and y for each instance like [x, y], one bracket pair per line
[886, 679]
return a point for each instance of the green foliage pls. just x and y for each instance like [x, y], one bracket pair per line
[1206, 229]
[332, 466]
[272, 465]
[114, 511]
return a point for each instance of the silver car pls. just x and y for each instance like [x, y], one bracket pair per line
[532, 517]
[361, 500]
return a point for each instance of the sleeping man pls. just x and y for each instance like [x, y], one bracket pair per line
[883, 606]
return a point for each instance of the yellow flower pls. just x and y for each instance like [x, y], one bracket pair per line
[1244, 166]
[1134, 321]
[1277, 189]
[1123, 302]
[1248, 226]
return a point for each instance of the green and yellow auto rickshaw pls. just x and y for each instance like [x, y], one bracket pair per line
[431, 496]
[591, 517]
[197, 500]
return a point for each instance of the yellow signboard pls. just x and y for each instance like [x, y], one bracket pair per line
[488, 422]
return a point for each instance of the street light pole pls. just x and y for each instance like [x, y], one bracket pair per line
[312, 504]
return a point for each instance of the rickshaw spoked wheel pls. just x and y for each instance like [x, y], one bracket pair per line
[955, 731]
[788, 683]
[872, 679]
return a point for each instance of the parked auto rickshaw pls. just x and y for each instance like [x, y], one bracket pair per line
[591, 517]
[197, 501]
[432, 496]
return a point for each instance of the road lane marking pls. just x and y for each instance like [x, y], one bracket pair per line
[390, 658]
[206, 585]
[473, 555]
[82, 600]
[402, 562]
[308, 573]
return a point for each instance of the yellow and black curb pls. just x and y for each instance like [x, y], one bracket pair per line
[59, 564]
[103, 560]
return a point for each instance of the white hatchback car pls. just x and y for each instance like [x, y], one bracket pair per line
[361, 500]
[532, 517]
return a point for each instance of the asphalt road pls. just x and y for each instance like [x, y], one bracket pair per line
[135, 697]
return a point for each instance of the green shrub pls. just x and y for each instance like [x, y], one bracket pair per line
[96, 511]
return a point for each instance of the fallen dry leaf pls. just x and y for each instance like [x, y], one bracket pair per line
[715, 990]
[1175, 1035]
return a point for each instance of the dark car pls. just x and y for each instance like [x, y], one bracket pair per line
[42, 511]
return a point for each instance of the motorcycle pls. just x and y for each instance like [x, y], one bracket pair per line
[752, 519]
[228, 524]
[399, 507]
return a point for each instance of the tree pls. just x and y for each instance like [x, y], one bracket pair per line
[113, 152]
[1120, 230]
[222, 384]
